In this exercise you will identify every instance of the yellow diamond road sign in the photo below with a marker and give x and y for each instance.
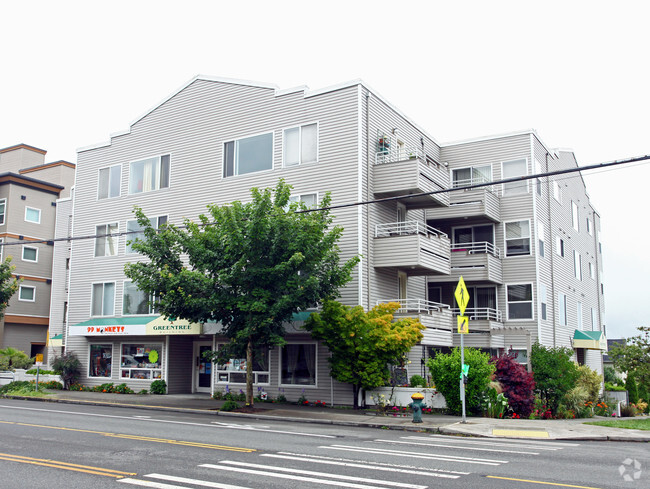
(463, 324)
(461, 295)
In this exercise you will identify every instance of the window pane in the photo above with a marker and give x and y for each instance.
(98, 292)
(136, 177)
(254, 154)
(462, 235)
(116, 177)
(522, 292)
(518, 247)
(511, 169)
(104, 176)
(100, 240)
(2, 211)
(109, 299)
(32, 215)
(520, 229)
(27, 293)
(309, 200)
(136, 229)
(164, 171)
(309, 146)
(483, 233)
(111, 241)
(482, 174)
(299, 365)
(100, 360)
(134, 301)
(520, 310)
(462, 177)
(486, 297)
(291, 143)
(30, 254)
(229, 159)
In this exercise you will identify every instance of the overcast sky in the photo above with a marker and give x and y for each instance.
(73, 72)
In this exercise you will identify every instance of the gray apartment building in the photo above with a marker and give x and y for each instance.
(528, 251)
(29, 189)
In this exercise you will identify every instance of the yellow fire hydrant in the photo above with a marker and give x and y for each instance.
(416, 406)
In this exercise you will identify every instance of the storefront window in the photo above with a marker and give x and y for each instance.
(141, 361)
(234, 370)
(101, 357)
(298, 364)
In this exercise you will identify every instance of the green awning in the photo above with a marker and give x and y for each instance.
(591, 340)
(56, 340)
(301, 316)
(134, 325)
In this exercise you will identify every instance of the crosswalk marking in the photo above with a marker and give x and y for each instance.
(514, 441)
(282, 473)
(490, 442)
(157, 485)
(185, 480)
(370, 465)
(458, 447)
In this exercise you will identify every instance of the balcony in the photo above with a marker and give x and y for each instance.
(435, 317)
(412, 247)
(476, 262)
(485, 328)
(409, 171)
(471, 205)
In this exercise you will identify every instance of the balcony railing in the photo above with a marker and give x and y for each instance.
(420, 306)
(399, 154)
(484, 313)
(468, 182)
(476, 248)
(406, 228)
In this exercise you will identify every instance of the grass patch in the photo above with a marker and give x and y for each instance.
(631, 424)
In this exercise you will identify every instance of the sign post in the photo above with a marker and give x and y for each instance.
(39, 363)
(462, 298)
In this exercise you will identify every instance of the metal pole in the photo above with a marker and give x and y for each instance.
(462, 383)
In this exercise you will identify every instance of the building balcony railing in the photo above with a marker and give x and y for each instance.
(419, 306)
(476, 262)
(407, 171)
(435, 317)
(476, 204)
(476, 248)
(481, 313)
(411, 246)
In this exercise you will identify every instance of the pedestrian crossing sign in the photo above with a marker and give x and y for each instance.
(463, 324)
(462, 295)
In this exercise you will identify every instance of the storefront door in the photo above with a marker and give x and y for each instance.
(202, 367)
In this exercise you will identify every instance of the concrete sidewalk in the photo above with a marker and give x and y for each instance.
(573, 429)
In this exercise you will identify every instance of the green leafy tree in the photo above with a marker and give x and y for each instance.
(632, 388)
(363, 344)
(68, 367)
(554, 373)
(249, 266)
(8, 284)
(11, 358)
(634, 356)
(445, 371)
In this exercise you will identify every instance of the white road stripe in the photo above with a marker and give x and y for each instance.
(284, 473)
(185, 480)
(361, 466)
(395, 453)
(458, 447)
(538, 445)
(157, 485)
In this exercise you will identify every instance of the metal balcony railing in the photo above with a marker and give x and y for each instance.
(406, 228)
(398, 154)
(476, 248)
(420, 306)
(466, 182)
(485, 313)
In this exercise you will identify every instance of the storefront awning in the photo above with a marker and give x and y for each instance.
(134, 326)
(56, 341)
(591, 340)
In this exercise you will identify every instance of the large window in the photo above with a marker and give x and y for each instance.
(512, 169)
(518, 238)
(542, 301)
(150, 174)
(135, 231)
(109, 182)
(234, 370)
(561, 304)
(103, 299)
(301, 145)
(3, 208)
(474, 234)
(105, 244)
(298, 364)
(141, 361)
(540, 238)
(248, 155)
(575, 217)
(30, 254)
(27, 293)
(33, 215)
(134, 301)
(520, 301)
(310, 200)
(462, 177)
(592, 272)
(577, 265)
(100, 361)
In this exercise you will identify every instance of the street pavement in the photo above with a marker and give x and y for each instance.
(571, 429)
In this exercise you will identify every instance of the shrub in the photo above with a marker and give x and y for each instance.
(143, 392)
(158, 387)
(495, 403)
(13, 359)
(613, 387)
(575, 399)
(122, 389)
(229, 406)
(418, 381)
(68, 367)
(610, 375)
(554, 374)
(590, 381)
(631, 387)
(517, 383)
(32, 371)
(445, 372)
(52, 384)
(14, 386)
(643, 394)
(628, 411)
(218, 395)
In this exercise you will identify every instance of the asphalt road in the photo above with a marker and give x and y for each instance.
(73, 446)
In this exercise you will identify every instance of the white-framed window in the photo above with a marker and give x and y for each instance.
(27, 293)
(517, 238)
(103, 299)
(2, 248)
(30, 254)
(512, 169)
(135, 231)
(557, 192)
(579, 314)
(471, 175)
(540, 238)
(538, 181)
(592, 271)
(575, 217)
(561, 304)
(3, 209)
(300, 145)
(143, 361)
(105, 244)
(149, 174)
(577, 265)
(100, 360)
(298, 364)
(234, 370)
(520, 301)
(543, 301)
(310, 200)
(109, 182)
(589, 228)
(473, 234)
(32, 215)
(135, 301)
(559, 246)
(594, 320)
(248, 155)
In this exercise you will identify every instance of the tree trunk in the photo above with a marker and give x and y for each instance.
(249, 372)
(355, 390)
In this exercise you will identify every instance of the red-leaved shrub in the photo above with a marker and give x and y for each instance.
(518, 384)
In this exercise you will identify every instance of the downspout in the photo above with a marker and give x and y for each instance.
(367, 198)
(550, 226)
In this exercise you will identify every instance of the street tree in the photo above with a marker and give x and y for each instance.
(634, 356)
(554, 373)
(248, 266)
(8, 284)
(363, 344)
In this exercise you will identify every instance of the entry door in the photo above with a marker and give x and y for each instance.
(202, 367)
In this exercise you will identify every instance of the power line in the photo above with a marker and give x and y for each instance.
(375, 201)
